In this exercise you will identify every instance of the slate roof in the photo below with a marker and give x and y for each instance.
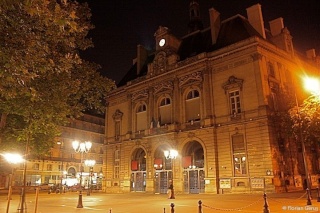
(232, 30)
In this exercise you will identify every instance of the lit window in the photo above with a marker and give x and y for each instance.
(239, 155)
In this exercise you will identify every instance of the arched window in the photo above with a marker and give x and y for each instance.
(141, 117)
(165, 111)
(192, 106)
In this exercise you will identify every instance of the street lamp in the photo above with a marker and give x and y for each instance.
(90, 164)
(61, 166)
(65, 181)
(171, 154)
(12, 159)
(312, 85)
(82, 147)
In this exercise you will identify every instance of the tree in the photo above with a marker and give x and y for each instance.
(307, 117)
(43, 80)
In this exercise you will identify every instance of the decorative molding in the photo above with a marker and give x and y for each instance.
(160, 63)
(140, 94)
(256, 56)
(193, 77)
(191, 135)
(232, 83)
(117, 115)
(163, 86)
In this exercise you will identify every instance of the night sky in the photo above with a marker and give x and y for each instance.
(123, 24)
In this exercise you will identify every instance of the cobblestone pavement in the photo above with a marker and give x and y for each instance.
(155, 203)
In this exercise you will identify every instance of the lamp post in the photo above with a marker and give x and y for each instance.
(90, 164)
(171, 154)
(313, 86)
(61, 166)
(82, 147)
(12, 159)
(65, 181)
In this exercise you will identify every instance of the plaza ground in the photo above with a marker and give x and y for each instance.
(158, 203)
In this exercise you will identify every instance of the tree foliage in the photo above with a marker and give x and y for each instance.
(43, 80)
(306, 119)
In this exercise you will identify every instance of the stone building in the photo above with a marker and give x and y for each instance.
(209, 95)
(63, 165)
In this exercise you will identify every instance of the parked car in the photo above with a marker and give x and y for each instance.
(45, 186)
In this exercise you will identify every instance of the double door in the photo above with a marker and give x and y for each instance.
(161, 181)
(194, 181)
(138, 181)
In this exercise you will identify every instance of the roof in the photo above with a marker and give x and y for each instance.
(232, 30)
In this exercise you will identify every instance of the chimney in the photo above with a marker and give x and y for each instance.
(276, 26)
(142, 55)
(311, 54)
(255, 18)
(214, 24)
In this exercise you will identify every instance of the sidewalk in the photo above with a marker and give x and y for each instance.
(151, 203)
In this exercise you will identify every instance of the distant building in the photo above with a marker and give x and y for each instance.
(63, 166)
(211, 96)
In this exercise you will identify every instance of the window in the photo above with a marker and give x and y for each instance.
(117, 130)
(117, 117)
(239, 155)
(165, 109)
(274, 95)
(60, 167)
(117, 164)
(193, 106)
(274, 100)
(193, 94)
(49, 167)
(232, 88)
(36, 166)
(141, 117)
(234, 98)
(271, 69)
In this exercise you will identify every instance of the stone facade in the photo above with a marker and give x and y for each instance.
(64, 164)
(210, 95)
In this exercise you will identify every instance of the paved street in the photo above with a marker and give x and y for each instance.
(151, 203)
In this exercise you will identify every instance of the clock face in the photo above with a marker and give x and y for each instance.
(162, 42)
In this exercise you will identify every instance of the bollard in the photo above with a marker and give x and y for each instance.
(109, 210)
(172, 207)
(308, 197)
(266, 206)
(200, 206)
(318, 195)
(164, 210)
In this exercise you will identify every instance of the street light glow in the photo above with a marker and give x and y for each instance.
(312, 85)
(171, 154)
(81, 147)
(13, 158)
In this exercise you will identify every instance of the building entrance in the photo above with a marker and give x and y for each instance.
(193, 181)
(138, 181)
(161, 181)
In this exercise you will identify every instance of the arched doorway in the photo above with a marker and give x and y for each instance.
(163, 171)
(138, 171)
(193, 168)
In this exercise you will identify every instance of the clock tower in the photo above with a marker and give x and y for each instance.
(165, 40)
